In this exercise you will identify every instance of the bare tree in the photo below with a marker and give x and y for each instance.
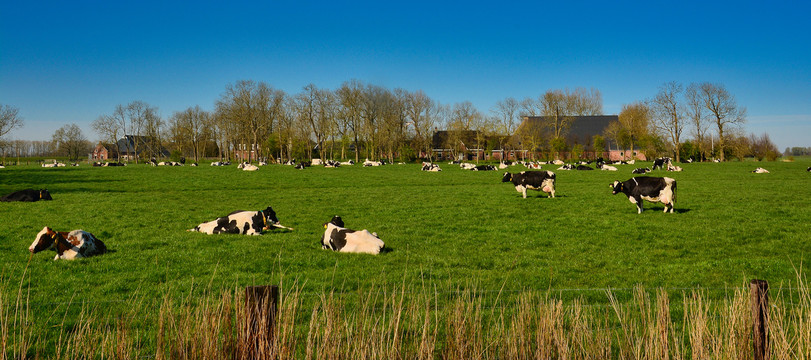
(418, 112)
(70, 141)
(9, 119)
(191, 127)
(106, 126)
(635, 120)
(507, 118)
(350, 98)
(694, 106)
(669, 114)
(724, 110)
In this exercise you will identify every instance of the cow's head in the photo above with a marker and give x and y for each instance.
(507, 177)
(336, 220)
(45, 240)
(616, 187)
(44, 194)
(270, 217)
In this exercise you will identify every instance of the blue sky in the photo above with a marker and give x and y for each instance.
(69, 62)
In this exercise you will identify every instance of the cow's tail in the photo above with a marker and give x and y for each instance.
(196, 229)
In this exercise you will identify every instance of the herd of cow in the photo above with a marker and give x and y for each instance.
(79, 243)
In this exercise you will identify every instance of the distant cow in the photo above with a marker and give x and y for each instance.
(653, 189)
(533, 180)
(338, 238)
(606, 167)
(760, 170)
(68, 245)
(484, 168)
(316, 162)
(241, 222)
(467, 166)
(302, 165)
(348, 163)
(567, 167)
(640, 171)
(27, 195)
(671, 167)
(430, 167)
(331, 164)
(660, 163)
(584, 167)
(809, 169)
(372, 163)
(250, 167)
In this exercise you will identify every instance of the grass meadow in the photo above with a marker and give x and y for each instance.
(448, 233)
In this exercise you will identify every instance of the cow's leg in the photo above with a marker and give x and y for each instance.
(636, 201)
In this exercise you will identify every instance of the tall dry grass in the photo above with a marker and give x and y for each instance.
(398, 323)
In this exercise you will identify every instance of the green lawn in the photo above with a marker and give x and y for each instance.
(452, 229)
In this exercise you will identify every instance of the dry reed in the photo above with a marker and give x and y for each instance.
(396, 323)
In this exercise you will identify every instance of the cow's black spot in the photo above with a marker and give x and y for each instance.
(245, 228)
(337, 239)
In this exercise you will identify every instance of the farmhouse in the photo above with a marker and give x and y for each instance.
(130, 147)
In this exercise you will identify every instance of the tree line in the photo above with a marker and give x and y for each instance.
(253, 120)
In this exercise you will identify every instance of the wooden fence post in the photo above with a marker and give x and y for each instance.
(262, 305)
(759, 300)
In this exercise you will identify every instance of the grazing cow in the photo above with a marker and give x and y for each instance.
(760, 170)
(584, 167)
(533, 180)
(660, 163)
(27, 195)
(68, 245)
(653, 189)
(640, 171)
(484, 168)
(430, 167)
(242, 222)
(338, 238)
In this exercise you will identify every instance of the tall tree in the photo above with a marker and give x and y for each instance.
(108, 129)
(694, 109)
(350, 98)
(9, 119)
(191, 125)
(723, 109)
(669, 114)
(418, 112)
(635, 119)
(71, 142)
(507, 117)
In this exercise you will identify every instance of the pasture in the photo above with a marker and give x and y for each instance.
(450, 230)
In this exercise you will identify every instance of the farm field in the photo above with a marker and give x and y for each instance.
(451, 230)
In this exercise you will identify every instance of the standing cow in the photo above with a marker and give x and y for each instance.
(68, 245)
(533, 180)
(338, 238)
(653, 189)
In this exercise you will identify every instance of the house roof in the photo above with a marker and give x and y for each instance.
(582, 128)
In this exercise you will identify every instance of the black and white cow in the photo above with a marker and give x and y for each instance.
(28, 195)
(331, 164)
(533, 180)
(68, 245)
(484, 168)
(338, 238)
(641, 171)
(242, 222)
(302, 165)
(430, 167)
(809, 169)
(653, 189)
(660, 163)
(760, 170)
(584, 167)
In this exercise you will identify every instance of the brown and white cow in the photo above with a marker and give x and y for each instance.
(68, 245)
(338, 238)
(653, 189)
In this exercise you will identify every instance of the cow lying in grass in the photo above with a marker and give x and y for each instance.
(338, 238)
(242, 222)
(28, 195)
(68, 245)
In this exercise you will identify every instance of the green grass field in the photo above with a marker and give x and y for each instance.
(452, 229)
